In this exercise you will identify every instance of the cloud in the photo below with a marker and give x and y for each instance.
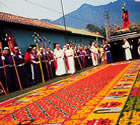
(26, 9)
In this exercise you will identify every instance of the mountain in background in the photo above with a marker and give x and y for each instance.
(89, 14)
(46, 20)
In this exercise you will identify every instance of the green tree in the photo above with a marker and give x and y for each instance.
(94, 28)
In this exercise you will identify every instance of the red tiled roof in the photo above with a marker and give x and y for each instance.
(37, 23)
(27, 21)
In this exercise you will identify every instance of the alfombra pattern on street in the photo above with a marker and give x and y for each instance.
(84, 99)
(131, 111)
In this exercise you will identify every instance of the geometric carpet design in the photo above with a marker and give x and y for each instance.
(103, 95)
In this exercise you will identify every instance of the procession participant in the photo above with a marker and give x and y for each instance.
(94, 53)
(3, 71)
(29, 65)
(41, 52)
(36, 65)
(76, 56)
(99, 55)
(15, 71)
(59, 61)
(81, 56)
(2, 76)
(42, 55)
(9, 69)
(107, 48)
(87, 56)
(126, 46)
(50, 57)
(139, 48)
(47, 59)
(90, 59)
(69, 59)
(19, 60)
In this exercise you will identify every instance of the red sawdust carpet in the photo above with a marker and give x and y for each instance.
(60, 102)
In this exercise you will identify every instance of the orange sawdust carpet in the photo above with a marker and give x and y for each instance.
(94, 97)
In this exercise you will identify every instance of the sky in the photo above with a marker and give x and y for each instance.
(45, 9)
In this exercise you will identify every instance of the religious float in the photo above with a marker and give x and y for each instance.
(129, 31)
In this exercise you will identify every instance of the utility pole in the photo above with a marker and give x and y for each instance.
(108, 28)
(66, 35)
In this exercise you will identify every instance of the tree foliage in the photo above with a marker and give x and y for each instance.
(94, 28)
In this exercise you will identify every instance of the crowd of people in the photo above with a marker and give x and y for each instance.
(59, 62)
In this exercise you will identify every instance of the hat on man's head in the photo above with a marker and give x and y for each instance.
(57, 45)
(6, 48)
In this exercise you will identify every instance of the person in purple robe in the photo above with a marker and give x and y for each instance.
(2, 76)
(76, 56)
(139, 48)
(107, 49)
(36, 66)
(43, 57)
(10, 71)
(51, 65)
(19, 60)
(81, 56)
(88, 57)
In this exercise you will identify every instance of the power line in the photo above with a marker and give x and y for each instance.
(8, 8)
(58, 12)
(66, 35)
(43, 7)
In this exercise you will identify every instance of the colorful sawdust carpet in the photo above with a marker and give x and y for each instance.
(104, 95)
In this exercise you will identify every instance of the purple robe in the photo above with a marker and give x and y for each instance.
(36, 68)
(108, 54)
(46, 76)
(2, 76)
(88, 58)
(81, 56)
(77, 66)
(10, 73)
(51, 64)
(19, 60)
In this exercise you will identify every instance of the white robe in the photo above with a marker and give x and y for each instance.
(94, 55)
(70, 58)
(61, 68)
(128, 54)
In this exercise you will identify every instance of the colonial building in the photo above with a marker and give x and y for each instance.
(23, 28)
